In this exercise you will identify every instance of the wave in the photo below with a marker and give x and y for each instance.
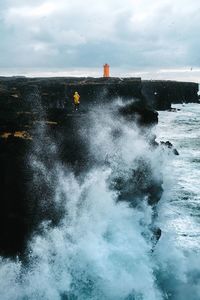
(102, 245)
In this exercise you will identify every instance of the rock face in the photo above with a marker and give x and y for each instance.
(57, 93)
(161, 94)
(25, 105)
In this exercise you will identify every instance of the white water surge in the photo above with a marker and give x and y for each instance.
(101, 250)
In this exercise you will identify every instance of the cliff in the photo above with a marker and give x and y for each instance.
(161, 94)
(57, 93)
(37, 114)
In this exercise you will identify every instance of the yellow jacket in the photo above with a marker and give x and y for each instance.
(76, 98)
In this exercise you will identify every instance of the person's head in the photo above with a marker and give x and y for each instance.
(76, 92)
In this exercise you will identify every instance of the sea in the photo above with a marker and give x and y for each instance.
(100, 249)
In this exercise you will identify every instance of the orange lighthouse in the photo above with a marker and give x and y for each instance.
(106, 70)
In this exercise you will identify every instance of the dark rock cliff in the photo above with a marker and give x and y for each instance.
(28, 104)
(161, 94)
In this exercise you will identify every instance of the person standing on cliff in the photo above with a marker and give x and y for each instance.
(76, 100)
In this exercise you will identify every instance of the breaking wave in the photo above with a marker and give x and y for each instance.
(102, 248)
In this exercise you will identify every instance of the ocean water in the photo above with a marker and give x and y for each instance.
(179, 209)
(182, 210)
(100, 249)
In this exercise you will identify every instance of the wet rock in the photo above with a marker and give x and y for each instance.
(140, 114)
(156, 235)
(138, 183)
(26, 104)
(170, 146)
(161, 94)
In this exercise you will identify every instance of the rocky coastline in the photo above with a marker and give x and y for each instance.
(27, 104)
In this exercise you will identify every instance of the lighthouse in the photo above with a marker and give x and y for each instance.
(106, 70)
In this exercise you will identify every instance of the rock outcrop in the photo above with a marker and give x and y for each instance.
(161, 94)
(28, 104)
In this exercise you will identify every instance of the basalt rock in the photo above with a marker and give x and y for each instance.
(142, 115)
(28, 104)
(162, 94)
(170, 146)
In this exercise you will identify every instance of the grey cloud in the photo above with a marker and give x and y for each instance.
(132, 34)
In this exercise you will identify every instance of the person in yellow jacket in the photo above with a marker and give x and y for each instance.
(76, 100)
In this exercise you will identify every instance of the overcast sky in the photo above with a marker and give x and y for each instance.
(134, 36)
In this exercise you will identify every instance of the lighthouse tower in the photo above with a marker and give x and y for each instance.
(106, 70)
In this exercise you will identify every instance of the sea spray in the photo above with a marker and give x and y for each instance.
(101, 248)
(97, 252)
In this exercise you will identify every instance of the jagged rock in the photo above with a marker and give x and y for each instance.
(139, 114)
(25, 103)
(170, 146)
(161, 94)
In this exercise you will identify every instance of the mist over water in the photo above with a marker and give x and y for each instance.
(102, 248)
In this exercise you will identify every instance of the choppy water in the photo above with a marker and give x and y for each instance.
(182, 210)
(99, 250)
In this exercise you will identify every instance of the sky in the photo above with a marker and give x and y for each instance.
(153, 39)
